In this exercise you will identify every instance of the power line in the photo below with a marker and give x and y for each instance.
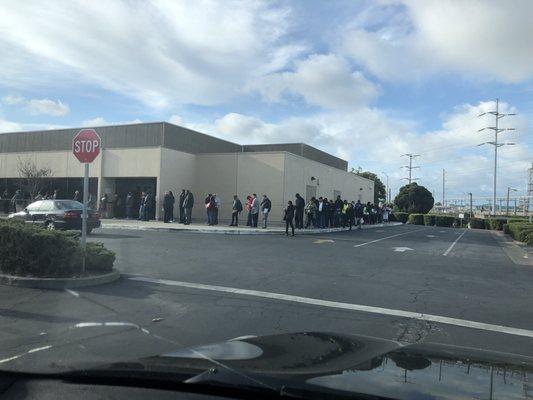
(410, 166)
(496, 130)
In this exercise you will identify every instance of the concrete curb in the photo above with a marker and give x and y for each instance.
(58, 283)
(244, 231)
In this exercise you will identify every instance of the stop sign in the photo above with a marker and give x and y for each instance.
(86, 145)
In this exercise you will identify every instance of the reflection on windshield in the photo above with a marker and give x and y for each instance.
(406, 376)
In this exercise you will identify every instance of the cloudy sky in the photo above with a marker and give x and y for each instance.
(364, 80)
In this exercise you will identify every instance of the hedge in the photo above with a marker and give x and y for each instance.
(495, 224)
(516, 228)
(401, 216)
(477, 223)
(526, 236)
(30, 250)
(429, 219)
(444, 220)
(416, 219)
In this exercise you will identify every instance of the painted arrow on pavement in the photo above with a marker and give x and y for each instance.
(402, 249)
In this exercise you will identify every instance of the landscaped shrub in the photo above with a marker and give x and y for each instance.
(516, 227)
(429, 219)
(526, 236)
(495, 224)
(98, 258)
(444, 220)
(517, 219)
(505, 228)
(416, 219)
(477, 223)
(401, 216)
(30, 250)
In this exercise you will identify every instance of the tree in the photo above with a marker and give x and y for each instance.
(413, 198)
(32, 177)
(380, 192)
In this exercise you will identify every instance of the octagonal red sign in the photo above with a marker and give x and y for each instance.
(86, 145)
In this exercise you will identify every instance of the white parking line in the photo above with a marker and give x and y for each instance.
(343, 306)
(453, 244)
(5, 360)
(388, 237)
(72, 292)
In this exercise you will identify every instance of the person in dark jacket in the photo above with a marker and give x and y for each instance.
(235, 211)
(288, 217)
(172, 207)
(129, 205)
(180, 205)
(350, 214)
(76, 196)
(331, 213)
(358, 214)
(168, 204)
(338, 211)
(299, 206)
(266, 207)
(6, 201)
(188, 204)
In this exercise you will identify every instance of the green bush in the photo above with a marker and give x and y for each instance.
(401, 216)
(516, 227)
(444, 220)
(505, 228)
(416, 219)
(477, 223)
(517, 219)
(526, 236)
(495, 224)
(30, 250)
(429, 219)
(98, 258)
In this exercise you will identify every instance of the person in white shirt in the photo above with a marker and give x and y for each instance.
(320, 213)
(266, 206)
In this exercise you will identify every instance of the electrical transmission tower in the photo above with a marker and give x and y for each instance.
(497, 115)
(410, 166)
(529, 189)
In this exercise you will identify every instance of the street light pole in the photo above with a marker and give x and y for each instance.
(471, 209)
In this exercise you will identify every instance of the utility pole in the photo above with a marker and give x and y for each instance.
(387, 190)
(443, 188)
(410, 166)
(471, 209)
(496, 129)
(507, 207)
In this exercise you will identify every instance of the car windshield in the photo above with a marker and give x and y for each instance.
(299, 194)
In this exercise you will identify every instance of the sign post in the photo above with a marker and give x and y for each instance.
(85, 147)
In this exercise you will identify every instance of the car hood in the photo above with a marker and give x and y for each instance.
(320, 360)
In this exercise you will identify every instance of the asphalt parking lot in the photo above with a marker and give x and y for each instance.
(406, 283)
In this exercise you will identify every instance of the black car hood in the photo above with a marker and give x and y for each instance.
(321, 360)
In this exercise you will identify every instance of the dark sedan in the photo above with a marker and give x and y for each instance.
(57, 214)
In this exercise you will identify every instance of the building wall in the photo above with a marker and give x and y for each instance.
(298, 173)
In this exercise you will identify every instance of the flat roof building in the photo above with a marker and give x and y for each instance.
(160, 156)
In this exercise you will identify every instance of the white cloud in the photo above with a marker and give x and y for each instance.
(489, 38)
(175, 119)
(38, 106)
(48, 107)
(100, 121)
(160, 52)
(323, 80)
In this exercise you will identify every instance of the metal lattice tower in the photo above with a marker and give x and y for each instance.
(529, 189)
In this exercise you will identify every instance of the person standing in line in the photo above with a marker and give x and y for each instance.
(249, 200)
(255, 210)
(235, 210)
(91, 201)
(331, 214)
(167, 205)
(266, 206)
(325, 211)
(366, 213)
(218, 203)
(114, 206)
(338, 212)
(358, 213)
(147, 206)
(18, 201)
(288, 216)
(299, 206)
(350, 214)
(55, 196)
(173, 201)
(180, 206)
(103, 206)
(211, 207)
(6, 199)
(207, 199)
(76, 196)
(386, 211)
(310, 210)
(129, 205)
(188, 204)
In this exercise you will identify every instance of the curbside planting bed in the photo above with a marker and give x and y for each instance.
(33, 256)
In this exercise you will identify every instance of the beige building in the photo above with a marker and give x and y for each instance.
(161, 156)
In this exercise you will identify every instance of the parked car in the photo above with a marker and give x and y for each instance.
(57, 214)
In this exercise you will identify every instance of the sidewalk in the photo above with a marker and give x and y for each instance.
(220, 229)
